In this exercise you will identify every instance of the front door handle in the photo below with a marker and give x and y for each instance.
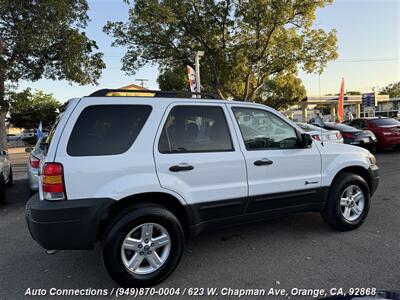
(263, 162)
(181, 167)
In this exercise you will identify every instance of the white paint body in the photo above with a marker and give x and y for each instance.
(216, 175)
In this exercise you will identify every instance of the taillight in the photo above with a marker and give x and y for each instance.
(34, 161)
(316, 137)
(338, 135)
(53, 181)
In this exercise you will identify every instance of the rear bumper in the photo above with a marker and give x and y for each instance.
(374, 174)
(388, 141)
(70, 224)
(371, 143)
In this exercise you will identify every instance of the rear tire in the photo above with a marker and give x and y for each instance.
(348, 202)
(2, 189)
(142, 263)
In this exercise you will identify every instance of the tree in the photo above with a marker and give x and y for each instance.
(393, 90)
(43, 38)
(174, 79)
(282, 91)
(28, 109)
(246, 43)
(353, 93)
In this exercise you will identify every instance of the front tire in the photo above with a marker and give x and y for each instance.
(143, 246)
(10, 178)
(348, 202)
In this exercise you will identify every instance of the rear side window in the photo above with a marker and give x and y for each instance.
(191, 129)
(107, 129)
(385, 122)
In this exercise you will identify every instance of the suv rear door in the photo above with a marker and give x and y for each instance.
(280, 173)
(197, 155)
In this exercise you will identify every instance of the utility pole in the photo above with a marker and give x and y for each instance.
(142, 81)
(197, 57)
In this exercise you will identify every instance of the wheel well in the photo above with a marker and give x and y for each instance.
(359, 171)
(162, 199)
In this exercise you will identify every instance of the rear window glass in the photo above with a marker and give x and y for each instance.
(309, 127)
(107, 129)
(385, 122)
(340, 127)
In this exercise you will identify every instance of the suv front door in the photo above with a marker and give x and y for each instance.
(197, 157)
(280, 172)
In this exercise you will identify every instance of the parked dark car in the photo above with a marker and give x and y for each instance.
(353, 136)
(386, 130)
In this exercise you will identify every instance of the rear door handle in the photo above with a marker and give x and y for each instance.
(263, 162)
(181, 167)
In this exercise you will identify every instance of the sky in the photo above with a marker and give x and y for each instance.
(368, 34)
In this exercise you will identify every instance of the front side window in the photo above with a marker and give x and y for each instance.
(107, 129)
(262, 130)
(195, 129)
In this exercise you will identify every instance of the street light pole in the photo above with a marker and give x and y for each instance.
(197, 70)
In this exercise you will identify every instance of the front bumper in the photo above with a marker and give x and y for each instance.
(374, 174)
(69, 224)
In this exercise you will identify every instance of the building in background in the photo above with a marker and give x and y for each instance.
(131, 87)
(304, 111)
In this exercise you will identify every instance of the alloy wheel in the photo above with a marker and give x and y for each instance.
(145, 248)
(352, 202)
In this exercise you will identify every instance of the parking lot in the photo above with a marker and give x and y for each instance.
(296, 251)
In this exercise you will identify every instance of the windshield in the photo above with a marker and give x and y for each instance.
(53, 129)
(385, 122)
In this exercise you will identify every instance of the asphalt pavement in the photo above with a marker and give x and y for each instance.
(297, 251)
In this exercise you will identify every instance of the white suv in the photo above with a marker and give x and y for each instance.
(139, 174)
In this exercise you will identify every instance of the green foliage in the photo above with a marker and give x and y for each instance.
(43, 38)
(174, 79)
(246, 43)
(393, 90)
(27, 109)
(282, 91)
(353, 93)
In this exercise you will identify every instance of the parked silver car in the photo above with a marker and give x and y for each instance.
(332, 136)
(33, 163)
(6, 174)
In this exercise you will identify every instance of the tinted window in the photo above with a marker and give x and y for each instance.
(106, 129)
(385, 122)
(195, 129)
(359, 124)
(263, 130)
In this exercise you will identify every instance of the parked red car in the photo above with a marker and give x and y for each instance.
(387, 130)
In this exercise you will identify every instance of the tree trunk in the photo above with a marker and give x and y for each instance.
(3, 131)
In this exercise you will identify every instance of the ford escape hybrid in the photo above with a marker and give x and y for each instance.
(138, 174)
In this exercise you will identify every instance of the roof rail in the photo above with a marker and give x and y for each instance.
(153, 93)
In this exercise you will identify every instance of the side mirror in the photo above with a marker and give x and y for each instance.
(3, 153)
(28, 149)
(306, 140)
